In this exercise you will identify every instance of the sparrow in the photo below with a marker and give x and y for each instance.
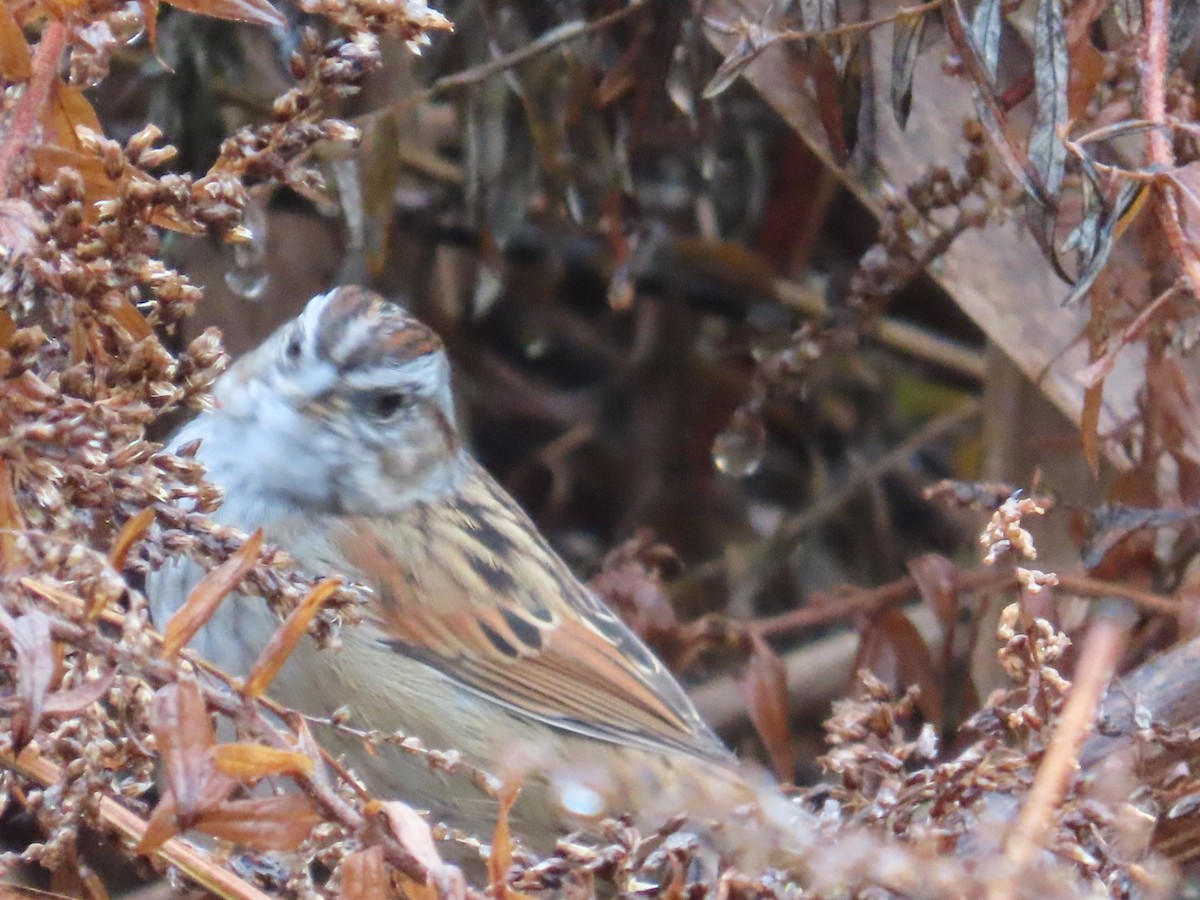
(338, 437)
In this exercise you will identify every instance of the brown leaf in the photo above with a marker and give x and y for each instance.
(15, 58)
(411, 831)
(127, 316)
(937, 580)
(10, 510)
(256, 12)
(500, 859)
(286, 637)
(74, 700)
(162, 825)
(206, 596)
(70, 109)
(184, 734)
(364, 876)
(262, 823)
(250, 762)
(34, 651)
(763, 684)
(130, 534)
(894, 651)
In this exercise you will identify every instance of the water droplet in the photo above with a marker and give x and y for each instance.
(578, 799)
(738, 450)
(249, 284)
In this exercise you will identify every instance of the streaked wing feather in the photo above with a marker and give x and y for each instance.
(472, 589)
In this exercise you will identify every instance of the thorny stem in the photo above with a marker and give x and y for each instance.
(1102, 650)
(1158, 146)
(32, 103)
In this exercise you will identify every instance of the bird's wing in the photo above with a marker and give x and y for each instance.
(471, 588)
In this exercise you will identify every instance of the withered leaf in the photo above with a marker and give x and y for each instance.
(162, 825)
(937, 580)
(70, 109)
(907, 31)
(286, 637)
(34, 651)
(207, 595)
(1047, 151)
(131, 532)
(500, 859)
(828, 86)
(262, 823)
(1108, 525)
(364, 876)
(73, 700)
(256, 12)
(987, 26)
(184, 733)
(893, 650)
(250, 762)
(412, 832)
(753, 41)
(15, 58)
(763, 684)
(1111, 217)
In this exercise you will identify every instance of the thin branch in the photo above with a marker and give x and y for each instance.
(1160, 154)
(23, 128)
(555, 37)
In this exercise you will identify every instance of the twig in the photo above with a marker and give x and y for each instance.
(1159, 152)
(568, 31)
(1102, 649)
(32, 103)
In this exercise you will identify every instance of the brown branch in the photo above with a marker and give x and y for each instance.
(23, 127)
(1102, 649)
(1160, 154)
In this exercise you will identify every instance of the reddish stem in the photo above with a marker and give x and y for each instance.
(1159, 152)
(32, 103)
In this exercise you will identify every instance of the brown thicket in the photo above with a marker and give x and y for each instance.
(765, 310)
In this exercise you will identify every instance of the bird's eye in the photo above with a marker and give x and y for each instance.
(386, 404)
(292, 350)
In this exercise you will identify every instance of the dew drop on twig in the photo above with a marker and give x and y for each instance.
(738, 450)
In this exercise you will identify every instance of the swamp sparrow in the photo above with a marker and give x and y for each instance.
(337, 437)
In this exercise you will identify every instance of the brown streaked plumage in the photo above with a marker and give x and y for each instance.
(337, 436)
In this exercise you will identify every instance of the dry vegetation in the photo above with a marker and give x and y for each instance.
(718, 279)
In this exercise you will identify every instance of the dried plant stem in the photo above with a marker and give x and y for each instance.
(568, 31)
(29, 108)
(1102, 649)
(1159, 153)
(176, 852)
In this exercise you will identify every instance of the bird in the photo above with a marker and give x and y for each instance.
(338, 437)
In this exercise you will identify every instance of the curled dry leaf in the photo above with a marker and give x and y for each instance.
(763, 684)
(206, 596)
(250, 762)
(500, 859)
(413, 833)
(74, 700)
(364, 876)
(35, 663)
(277, 650)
